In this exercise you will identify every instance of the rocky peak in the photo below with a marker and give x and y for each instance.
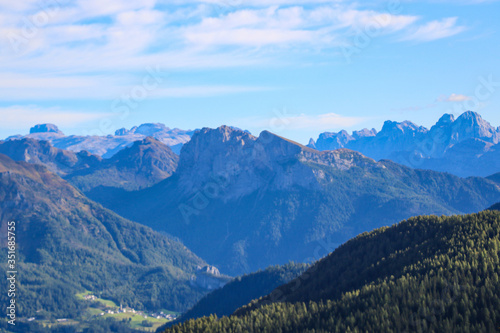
(364, 133)
(149, 129)
(405, 127)
(446, 119)
(45, 128)
(213, 152)
(148, 154)
(312, 143)
(122, 132)
(471, 125)
(207, 142)
(332, 140)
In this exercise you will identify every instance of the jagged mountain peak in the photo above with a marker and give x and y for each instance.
(312, 143)
(471, 115)
(365, 132)
(342, 133)
(445, 119)
(404, 127)
(471, 125)
(122, 132)
(220, 134)
(445, 147)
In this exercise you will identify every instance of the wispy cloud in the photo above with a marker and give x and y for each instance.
(435, 30)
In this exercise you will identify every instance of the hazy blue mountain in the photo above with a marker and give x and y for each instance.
(108, 145)
(68, 244)
(495, 177)
(57, 160)
(244, 203)
(144, 163)
(466, 146)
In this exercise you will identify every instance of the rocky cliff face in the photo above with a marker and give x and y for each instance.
(242, 163)
(464, 146)
(209, 278)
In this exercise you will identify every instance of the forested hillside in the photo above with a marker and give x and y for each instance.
(240, 291)
(426, 274)
(68, 244)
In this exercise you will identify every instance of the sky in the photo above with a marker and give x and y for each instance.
(295, 68)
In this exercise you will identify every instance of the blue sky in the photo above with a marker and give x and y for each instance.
(297, 68)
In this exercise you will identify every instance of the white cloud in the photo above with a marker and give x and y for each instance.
(453, 98)
(435, 30)
(290, 26)
(21, 117)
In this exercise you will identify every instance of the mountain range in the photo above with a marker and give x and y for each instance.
(107, 145)
(466, 146)
(244, 203)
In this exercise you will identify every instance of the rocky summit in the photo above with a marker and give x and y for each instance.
(45, 128)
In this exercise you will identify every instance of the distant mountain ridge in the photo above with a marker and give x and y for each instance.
(145, 163)
(466, 146)
(245, 202)
(108, 145)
